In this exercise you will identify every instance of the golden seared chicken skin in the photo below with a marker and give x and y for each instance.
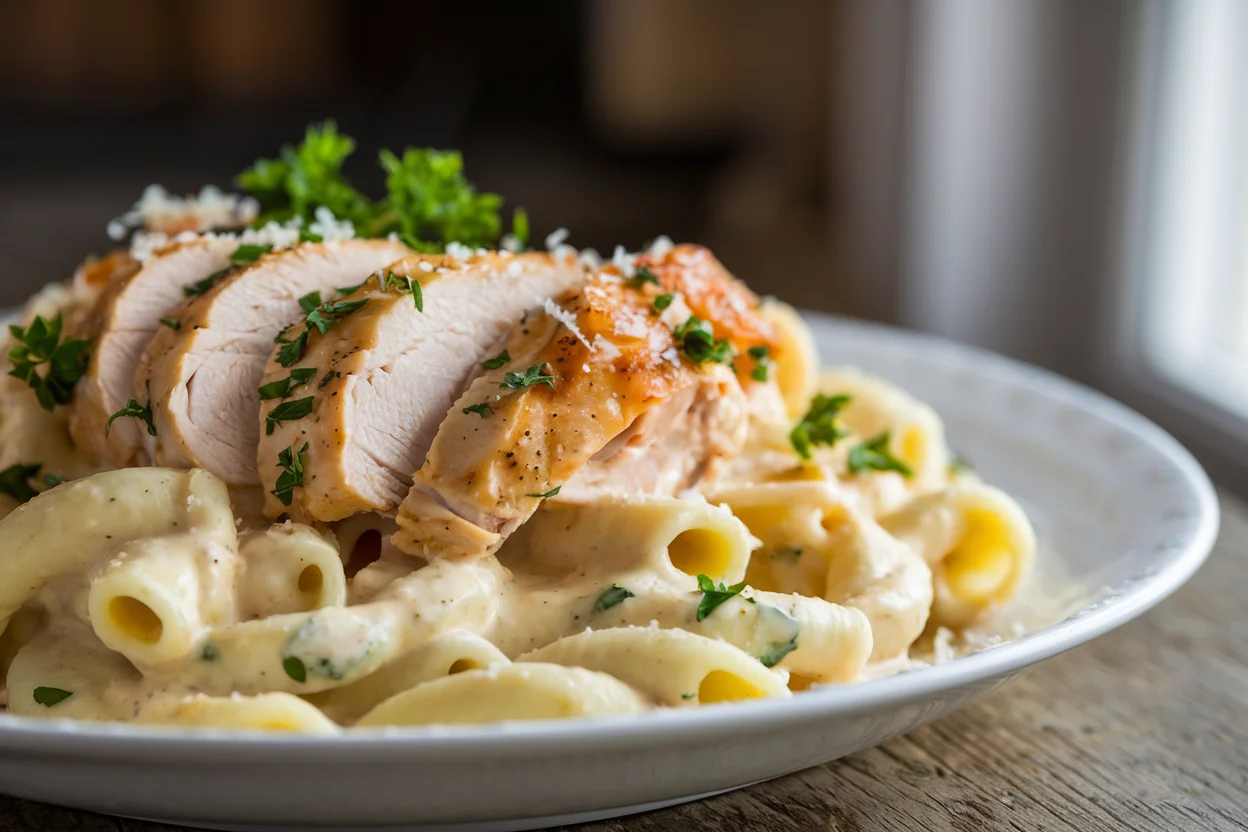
(604, 389)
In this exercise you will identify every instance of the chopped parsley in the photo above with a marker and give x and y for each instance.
(14, 481)
(774, 653)
(200, 287)
(172, 323)
(642, 276)
(292, 351)
(248, 253)
(280, 389)
(818, 426)
(875, 456)
(762, 363)
(687, 695)
(310, 301)
(530, 377)
(66, 361)
(295, 668)
(482, 409)
(210, 653)
(287, 412)
(404, 285)
(328, 314)
(713, 596)
(663, 301)
(47, 697)
(291, 462)
(696, 338)
(349, 290)
(52, 480)
(552, 492)
(138, 411)
(610, 597)
(320, 316)
(497, 361)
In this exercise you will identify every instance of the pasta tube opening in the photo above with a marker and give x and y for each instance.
(702, 551)
(290, 568)
(722, 686)
(135, 619)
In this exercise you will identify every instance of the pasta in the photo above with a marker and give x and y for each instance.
(641, 493)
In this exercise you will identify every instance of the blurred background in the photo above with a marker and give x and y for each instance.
(1060, 180)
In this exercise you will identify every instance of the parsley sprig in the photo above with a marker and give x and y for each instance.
(138, 411)
(47, 696)
(497, 361)
(482, 409)
(429, 201)
(41, 344)
(696, 338)
(530, 377)
(642, 276)
(610, 597)
(818, 426)
(403, 285)
(713, 596)
(874, 455)
(291, 462)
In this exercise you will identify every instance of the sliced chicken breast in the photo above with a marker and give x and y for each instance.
(125, 320)
(595, 380)
(370, 392)
(201, 378)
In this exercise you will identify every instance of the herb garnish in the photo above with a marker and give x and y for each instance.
(497, 361)
(520, 226)
(482, 409)
(37, 344)
(280, 389)
(295, 669)
(642, 276)
(310, 301)
(210, 653)
(818, 426)
(287, 412)
(52, 480)
(47, 697)
(610, 597)
(687, 696)
(404, 285)
(172, 323)
(328, 314)
(552, 492)
(713, 596)
(200, 287)
(774, 653)
(293, 350)
(248, 253)
(875, 456)
(697, 340)
(762, 362)
(138, 411)
(13, 481)
(531, 376)
(663, 301)
(291, 462)
(347, 290)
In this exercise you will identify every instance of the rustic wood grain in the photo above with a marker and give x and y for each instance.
(1146, 728)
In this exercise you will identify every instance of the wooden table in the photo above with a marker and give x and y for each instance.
(1146, 728)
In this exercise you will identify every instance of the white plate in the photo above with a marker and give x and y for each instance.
(1128, 510)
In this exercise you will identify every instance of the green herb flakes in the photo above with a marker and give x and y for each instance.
(818, 426)
(287, 412)
(291, 462)
(483, 409)
(713, 596)
(40, 344)
(138, 411)
(281, 388)
(497, 361)
(47, 697)
(875, 456)
(610, 597)
(530, 377)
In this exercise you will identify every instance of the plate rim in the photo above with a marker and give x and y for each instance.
(66, 737)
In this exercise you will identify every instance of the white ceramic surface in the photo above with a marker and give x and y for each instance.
(1126, 508)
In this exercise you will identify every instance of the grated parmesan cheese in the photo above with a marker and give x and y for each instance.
(556, 238)
(458, 250)
(661, 245)
(566, 318)
(511, 242)
(625, 262)
(329, 229)
(157, 210)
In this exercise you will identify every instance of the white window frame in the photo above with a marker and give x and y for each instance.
(1182, 260)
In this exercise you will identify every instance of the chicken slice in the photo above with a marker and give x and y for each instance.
(125, 320)
(595, 380)
(378, 384)
(201, 378)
